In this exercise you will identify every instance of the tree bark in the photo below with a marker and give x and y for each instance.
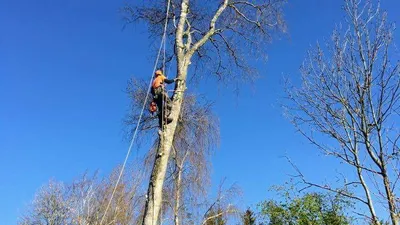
(184, 53)
(178, 186)
(154, 193)
(390, 197)
(370, 204)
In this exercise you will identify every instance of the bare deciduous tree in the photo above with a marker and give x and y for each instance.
(89, 198)
(50, 206)
(218, 211)
(350, 93)
(84, 202)
(218, 38)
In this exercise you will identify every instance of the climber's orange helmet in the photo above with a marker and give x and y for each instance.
(158, 73)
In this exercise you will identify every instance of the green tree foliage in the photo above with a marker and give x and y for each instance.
(248, 218)
(311, 208)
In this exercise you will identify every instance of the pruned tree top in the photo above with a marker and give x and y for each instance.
(220, 35)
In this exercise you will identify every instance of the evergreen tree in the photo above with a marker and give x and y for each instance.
(248, 218)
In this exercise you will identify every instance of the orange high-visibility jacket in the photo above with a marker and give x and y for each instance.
(159, 80)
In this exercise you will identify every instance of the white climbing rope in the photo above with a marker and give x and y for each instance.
(163, 44)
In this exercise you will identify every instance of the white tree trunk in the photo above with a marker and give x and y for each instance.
(184, 54)
(178, 193)
(154, 193)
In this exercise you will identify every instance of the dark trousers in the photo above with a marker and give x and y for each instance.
(163, 103)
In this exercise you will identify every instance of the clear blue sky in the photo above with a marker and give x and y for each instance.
(64, 66)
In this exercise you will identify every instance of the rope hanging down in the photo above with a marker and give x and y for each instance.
(163, 44)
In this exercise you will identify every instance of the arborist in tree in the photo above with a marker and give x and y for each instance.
(160, 97)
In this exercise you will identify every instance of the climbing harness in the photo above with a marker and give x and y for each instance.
(162, 44)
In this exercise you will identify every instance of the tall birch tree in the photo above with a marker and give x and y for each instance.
(219, 34)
